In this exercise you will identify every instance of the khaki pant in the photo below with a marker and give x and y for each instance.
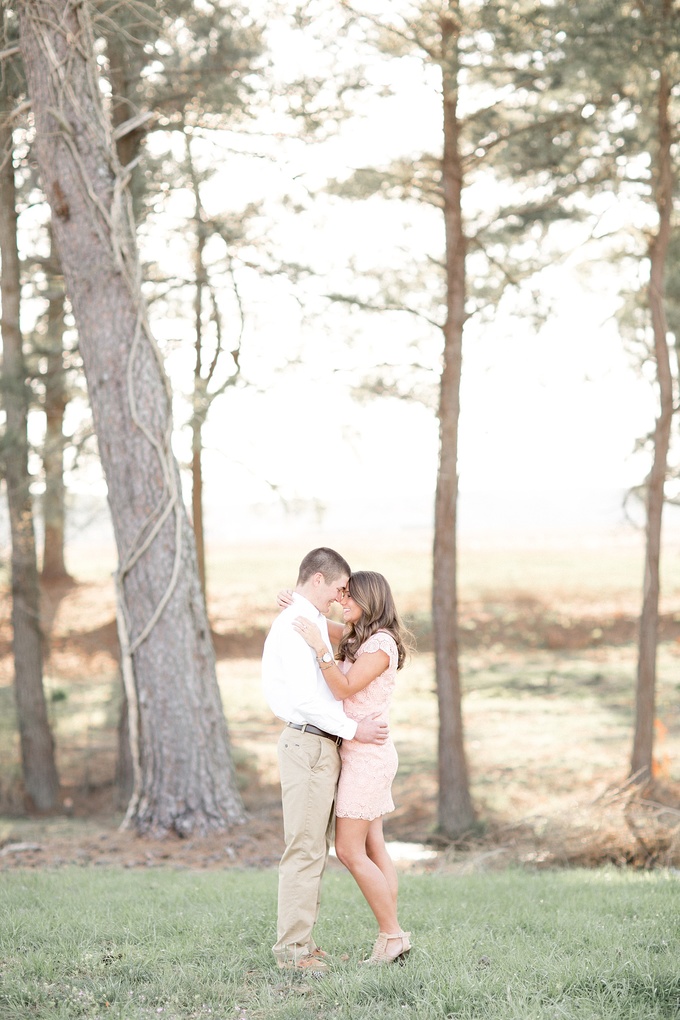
(309, 767)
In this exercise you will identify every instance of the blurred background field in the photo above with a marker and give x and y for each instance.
(548, 659)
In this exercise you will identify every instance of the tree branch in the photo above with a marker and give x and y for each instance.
(367, 306)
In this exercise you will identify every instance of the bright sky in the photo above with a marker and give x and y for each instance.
(557, 412)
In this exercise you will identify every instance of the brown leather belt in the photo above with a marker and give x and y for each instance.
(308, 728)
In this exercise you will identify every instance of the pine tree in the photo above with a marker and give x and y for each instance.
(625, 57)
(39, 768)
(513, 162)
(184, 777)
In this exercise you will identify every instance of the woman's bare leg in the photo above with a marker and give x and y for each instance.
(352, 839)
(377, 852)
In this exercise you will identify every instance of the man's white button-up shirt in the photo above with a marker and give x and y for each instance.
(292, 682)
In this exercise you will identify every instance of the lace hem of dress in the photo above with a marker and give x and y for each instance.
(366, 816)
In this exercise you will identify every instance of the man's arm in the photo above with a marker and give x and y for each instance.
(335, 632)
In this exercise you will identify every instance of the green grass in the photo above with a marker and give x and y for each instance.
(90, 944)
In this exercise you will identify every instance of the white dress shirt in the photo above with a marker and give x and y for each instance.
(292, 682)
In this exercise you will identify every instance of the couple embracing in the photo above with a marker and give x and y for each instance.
(332, 683)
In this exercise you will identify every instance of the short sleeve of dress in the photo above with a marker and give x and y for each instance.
(381, 642)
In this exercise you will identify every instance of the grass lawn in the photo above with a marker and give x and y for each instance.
(96, 943)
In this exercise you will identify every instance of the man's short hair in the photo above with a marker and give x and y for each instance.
(323, 561)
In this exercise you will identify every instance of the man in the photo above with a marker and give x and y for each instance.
(309, 760)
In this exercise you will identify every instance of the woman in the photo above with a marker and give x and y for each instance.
(372, 646)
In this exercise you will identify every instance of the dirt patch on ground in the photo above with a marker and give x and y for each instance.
(627, 827)
(99, 841)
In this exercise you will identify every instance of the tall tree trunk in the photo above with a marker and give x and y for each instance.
(56, 399)
(184, 776)
(643, 741)
(455, 810)
(125, 767)
(197, 497)
(199, 398)
(37, 745)
(124, 77)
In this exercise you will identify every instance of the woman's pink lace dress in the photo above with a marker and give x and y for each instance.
(365, 785)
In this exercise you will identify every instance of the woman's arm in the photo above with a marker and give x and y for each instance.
(364, 671)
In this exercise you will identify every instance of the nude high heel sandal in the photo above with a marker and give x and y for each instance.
(390, 948)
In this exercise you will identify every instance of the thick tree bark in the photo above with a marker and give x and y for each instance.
(56, 399)
(41, 780)
(184, 777)
(455, 810)
(645, 698)
(124, 77)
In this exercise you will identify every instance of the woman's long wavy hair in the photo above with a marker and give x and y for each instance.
(373, 595)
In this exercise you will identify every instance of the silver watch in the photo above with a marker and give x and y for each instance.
(326, 657)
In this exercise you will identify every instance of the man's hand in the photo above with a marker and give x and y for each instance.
(370, 731)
